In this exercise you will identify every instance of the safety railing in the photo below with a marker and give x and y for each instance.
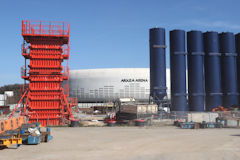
(72, 100)
(24, 72)
(23, 88)
(65, 89)
(66, 51)
(65, 72)
(229, 114)
(200, 116)
(45, 28)
(25, 50)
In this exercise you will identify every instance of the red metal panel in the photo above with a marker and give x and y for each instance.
(46, 45)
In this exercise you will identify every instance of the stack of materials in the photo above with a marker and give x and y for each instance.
(197, 125)
(229, 119)
(210, 120)
(26, 134)
(136, 111)
(34, 134)
(11, 124)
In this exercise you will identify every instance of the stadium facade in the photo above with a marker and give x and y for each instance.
(105, 85)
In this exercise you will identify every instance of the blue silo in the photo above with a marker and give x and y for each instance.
(237, 40)
(212, 68)
(178, 70)
(228, 69)
(157, 64)
(195, 71)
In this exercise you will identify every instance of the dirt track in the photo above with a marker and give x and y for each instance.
(132, 143)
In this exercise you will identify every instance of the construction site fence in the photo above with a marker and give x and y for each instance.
(192, 116)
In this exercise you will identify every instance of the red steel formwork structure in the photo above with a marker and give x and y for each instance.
(46, 46)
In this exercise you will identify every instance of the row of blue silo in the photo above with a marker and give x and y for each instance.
(157, 47)
(237, 42)
(212, 69)
(178, 70)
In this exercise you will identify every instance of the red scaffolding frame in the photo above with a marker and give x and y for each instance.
(46, 46)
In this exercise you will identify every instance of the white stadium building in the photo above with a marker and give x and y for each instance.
(105, 85)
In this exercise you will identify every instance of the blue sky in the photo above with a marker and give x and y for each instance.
(109, 33)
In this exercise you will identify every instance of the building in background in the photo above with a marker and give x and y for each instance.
(4, 98)
(107, 85)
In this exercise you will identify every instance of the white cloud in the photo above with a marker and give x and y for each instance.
(215, 24)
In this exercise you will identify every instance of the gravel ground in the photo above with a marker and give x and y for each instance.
(132, 143)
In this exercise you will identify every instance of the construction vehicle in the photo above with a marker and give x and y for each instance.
(221, 108)
(7, 141)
